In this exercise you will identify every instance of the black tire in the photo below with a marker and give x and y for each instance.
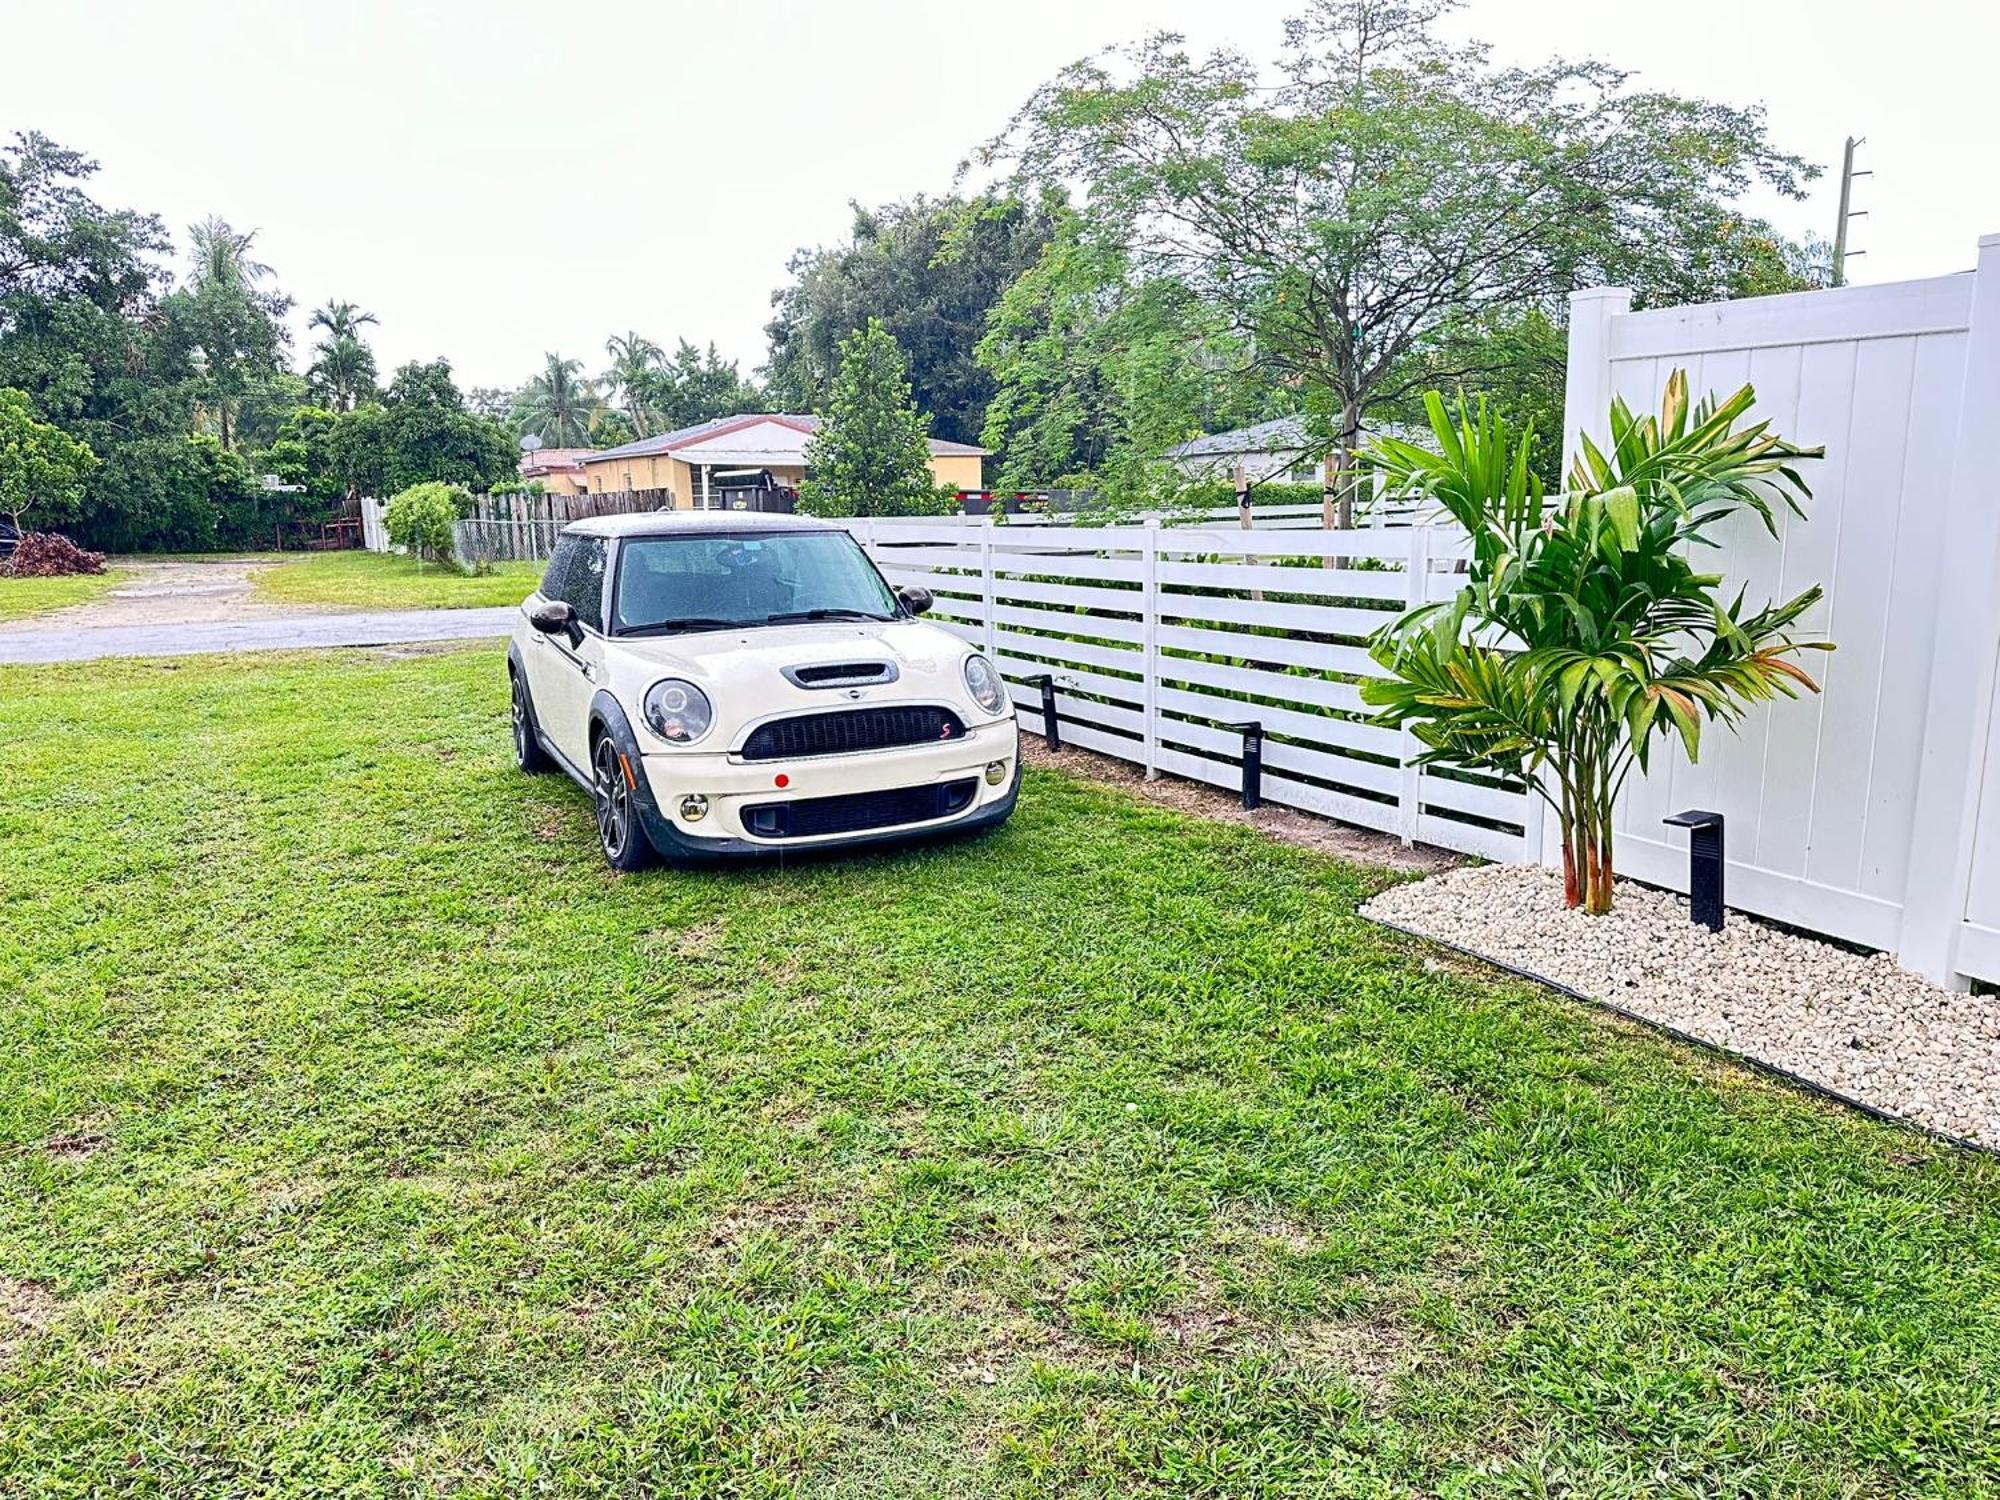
(620, 833)
(528, 752)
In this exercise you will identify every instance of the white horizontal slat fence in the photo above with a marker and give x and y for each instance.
(1161, 638)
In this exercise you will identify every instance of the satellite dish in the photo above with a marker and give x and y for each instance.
(531, 442)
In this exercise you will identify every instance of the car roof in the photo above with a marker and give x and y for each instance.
(682, 522)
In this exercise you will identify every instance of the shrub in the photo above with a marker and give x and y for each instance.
(421, 517)
(49, 554)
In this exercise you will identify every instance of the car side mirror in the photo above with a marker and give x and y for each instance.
(917, 601)
(556, 617)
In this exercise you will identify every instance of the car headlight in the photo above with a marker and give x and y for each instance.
(982, 680)
(678, 711)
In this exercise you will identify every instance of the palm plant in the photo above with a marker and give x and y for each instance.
(219, 256)
(635, 366)
(341, 320)
(343, 371)
(559, 404)
(1584, 630)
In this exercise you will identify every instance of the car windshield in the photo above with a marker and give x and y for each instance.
(724, 582)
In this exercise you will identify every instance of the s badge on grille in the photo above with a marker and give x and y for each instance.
(854, 692)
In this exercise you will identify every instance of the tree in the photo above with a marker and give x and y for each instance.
(426, 432)
(304, 453)
(869, 456)
(696, 385)
(1583, 630)
(635, 360)
(1388, 187)
(559, 405)
(233, 326)
(89, 330)
(492, 401)
(343, 367)
(341, 320)
(1097, 371)
(931, 270)
(42, 468)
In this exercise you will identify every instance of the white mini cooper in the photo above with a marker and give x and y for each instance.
(732, 684)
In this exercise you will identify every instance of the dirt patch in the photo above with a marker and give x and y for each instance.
(1360, 845)
(75, 1145)
(696, 941)
(1366, 1350)
(157, 592)
(26, 1310)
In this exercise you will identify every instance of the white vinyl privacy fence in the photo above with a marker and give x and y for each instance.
(1163, 640)
(1871, 812)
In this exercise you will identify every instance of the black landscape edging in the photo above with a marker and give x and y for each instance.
(1799, 1080)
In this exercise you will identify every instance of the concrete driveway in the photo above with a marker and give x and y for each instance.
(184, 608)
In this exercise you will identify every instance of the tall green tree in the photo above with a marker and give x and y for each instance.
(559, 405)
(1387, 185)
(87, 330)
(635, 362)
(1098, 370)
(42, 468)
(232, 322)
(931, 270)
(342, 373)
(696, 385)
(427, 432)
(869, 456)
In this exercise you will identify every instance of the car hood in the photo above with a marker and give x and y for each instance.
(922, 653)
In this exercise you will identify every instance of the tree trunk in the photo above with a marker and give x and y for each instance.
(1350, 439)
(1327, 492)
(1344, 470)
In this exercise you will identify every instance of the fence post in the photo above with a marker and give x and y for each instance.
(988, 594)
(1958, 717)
(1149, 626)
(1410, 800)
(1587, 382)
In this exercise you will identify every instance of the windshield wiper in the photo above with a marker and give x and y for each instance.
(794, 617)
(691, 622)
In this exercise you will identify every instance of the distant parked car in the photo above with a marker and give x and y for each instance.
(737, 684)
(10, 538)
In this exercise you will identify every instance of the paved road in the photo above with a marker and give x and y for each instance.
(69, 642)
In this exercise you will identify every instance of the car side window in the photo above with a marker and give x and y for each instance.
(554, 580)
(585, 583)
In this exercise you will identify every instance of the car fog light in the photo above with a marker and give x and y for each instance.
(996, 772)
(694, 809)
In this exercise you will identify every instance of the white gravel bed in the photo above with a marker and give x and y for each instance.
(1857, 1025)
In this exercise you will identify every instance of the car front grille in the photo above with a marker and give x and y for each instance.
(855, 812)
(844, 731)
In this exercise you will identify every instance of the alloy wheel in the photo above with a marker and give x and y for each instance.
(614, 800)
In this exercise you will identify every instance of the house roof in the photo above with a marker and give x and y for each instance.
(760, 438)
(548, 460)
(1279, 435)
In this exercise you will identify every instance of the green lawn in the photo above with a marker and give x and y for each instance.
(360, 1133)
(21, 597)
(375, 580)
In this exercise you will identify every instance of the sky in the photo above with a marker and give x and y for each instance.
(495, 179)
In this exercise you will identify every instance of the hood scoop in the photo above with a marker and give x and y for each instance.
(841, 674)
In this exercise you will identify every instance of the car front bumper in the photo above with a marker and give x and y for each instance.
(732, 786)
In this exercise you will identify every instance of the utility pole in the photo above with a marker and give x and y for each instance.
(1847, 176)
